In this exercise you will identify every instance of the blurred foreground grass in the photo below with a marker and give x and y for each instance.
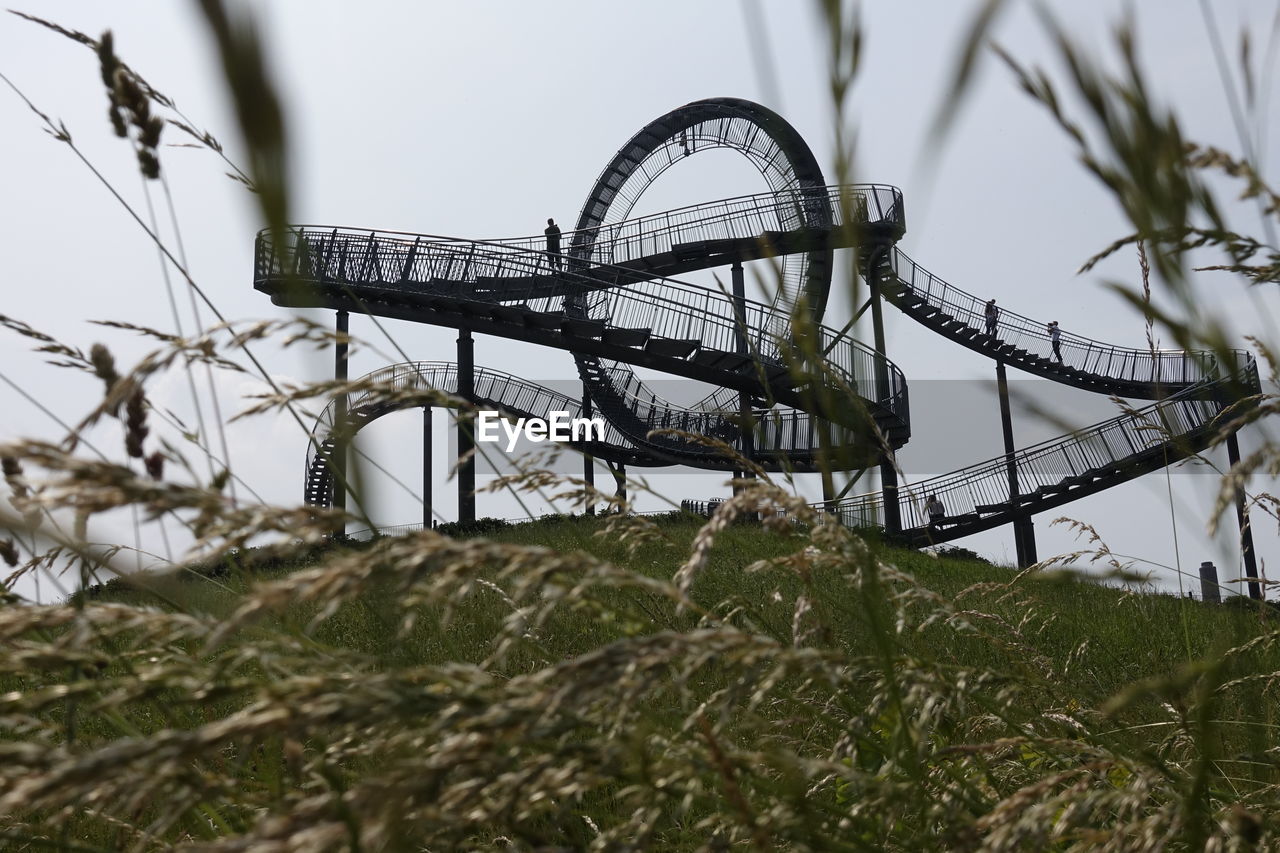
(546, 688)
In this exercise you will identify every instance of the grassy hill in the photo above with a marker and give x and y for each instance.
(550, 686)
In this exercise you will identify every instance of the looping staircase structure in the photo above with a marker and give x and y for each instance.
(792, 393)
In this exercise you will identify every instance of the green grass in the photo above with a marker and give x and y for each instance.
(1080, 641)
(1111, 636)
(812, 691)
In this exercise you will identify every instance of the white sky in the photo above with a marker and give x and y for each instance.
(482, 119)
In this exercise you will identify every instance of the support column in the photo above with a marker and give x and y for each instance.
(466, 438)
(620, 481)
(426, 468)
(1028, 540)
(588, 461)
(742, 347)
(1024, 534)
(888, 468)
(338, 460)
(1246, 530)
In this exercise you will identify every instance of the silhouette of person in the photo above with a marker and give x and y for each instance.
(1055, 338)
(936, 510)
(993, 317)
(553, 243)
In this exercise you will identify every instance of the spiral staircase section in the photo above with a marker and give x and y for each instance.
(679, 328)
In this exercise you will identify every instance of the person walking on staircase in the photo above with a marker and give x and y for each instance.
(936, 510)
(553, 243)
(1055, 338)
(993, 317)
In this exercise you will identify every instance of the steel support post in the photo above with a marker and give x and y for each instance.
(1024, 533)
(1028, 540)
(588, 461)
(742, 347)
(466, 438)
(1246, 530)
(888, 467)
(620, 481)
(426, 468)
(338, 459)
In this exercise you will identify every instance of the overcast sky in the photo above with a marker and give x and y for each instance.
(483, 119)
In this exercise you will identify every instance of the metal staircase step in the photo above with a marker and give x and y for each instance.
(434, 301)
(545, 319)
(730, 361)
(626, 337)
(689, 250)
(774, 373)
(583, 327)
(509, 313)
(478, 309)
(672, 347)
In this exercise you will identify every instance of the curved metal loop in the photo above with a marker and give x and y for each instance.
(798, 201)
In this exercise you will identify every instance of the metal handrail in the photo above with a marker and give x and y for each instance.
(681, 317)
(666, 307)
(505, 391)
(881, 199)
(1160, 371)
(789, 434)
(1101, 450)
(728, 219)
(1105, 451)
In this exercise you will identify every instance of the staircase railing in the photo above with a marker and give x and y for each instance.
(373, 262)
(404, 256)
(1100, 451)
(1163, 370)
(742, 217)
(504, 391)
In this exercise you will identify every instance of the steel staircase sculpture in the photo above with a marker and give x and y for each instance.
(680, 328)
(611, 302)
